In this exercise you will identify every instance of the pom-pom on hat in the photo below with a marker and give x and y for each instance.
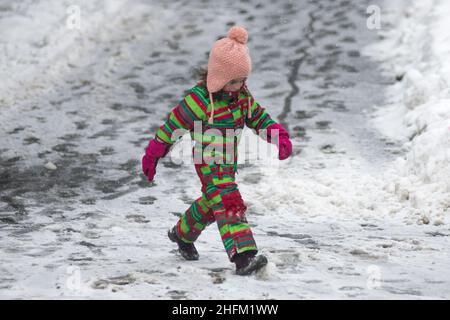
(229, 59)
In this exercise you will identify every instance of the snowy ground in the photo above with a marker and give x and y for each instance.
(417, 108)
(332, 220)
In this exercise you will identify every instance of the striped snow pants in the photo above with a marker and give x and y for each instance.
(221, 201)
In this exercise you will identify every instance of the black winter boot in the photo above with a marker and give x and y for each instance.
(187, 250)
(248, 262)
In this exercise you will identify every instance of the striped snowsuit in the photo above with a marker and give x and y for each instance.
(221, 200)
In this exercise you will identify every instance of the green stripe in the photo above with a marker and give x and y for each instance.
(163, 136)
(184, 224)
(238, 227)
(246, 244)
(195, 108)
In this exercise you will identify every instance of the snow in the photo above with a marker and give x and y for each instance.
(418, 114)
(50, 166)
(359, 211)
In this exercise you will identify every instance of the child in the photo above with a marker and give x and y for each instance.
(221, 101)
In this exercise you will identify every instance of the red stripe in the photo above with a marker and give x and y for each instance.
(183, 123)
(242, 102)
(247, 232)
(212, 195)
(199, 103)
(189, 107)
(171, 126)
(226, 184)
(241, 239)
(165, 131)
(180, 232)
(226, 235)
(200, 209)
(225, 116)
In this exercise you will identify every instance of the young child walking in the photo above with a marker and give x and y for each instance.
(218, 103)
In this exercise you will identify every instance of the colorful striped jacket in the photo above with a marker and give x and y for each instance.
(216, 142)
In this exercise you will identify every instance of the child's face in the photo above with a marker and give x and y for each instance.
(234, 85)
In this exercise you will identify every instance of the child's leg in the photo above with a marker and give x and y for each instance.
(229, 209)
(194, 220)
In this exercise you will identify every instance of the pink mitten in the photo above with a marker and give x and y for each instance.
(155, 151)
(278, 135)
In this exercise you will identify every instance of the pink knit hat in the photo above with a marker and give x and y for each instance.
(229, 59)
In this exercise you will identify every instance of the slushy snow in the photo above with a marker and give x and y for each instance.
(418, 114)
(340, 219)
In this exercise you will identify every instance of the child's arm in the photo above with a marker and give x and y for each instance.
(191, 108)
(260, 118)
(268, 129)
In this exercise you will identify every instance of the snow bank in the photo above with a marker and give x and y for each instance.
(415, 51)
